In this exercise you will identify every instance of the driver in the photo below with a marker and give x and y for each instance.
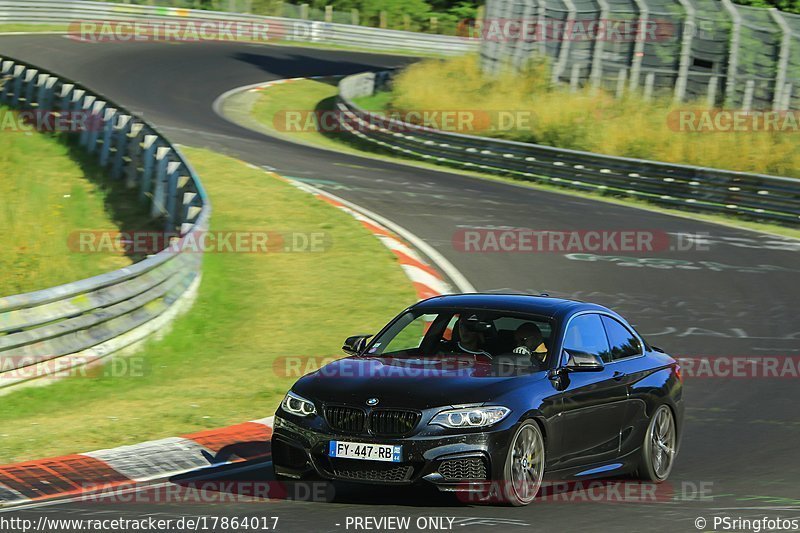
(529, 342)
(470, 340)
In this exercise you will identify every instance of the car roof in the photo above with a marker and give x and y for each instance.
(517, 303)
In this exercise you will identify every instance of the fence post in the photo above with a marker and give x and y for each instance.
(354, 18)
(711, 95)
(787, 96)
(563, 52)
(574, 77)
(383, 22)
(596, 74)
(733, 55)
(622, 77)
(328, 13)
(783, 59)
(304, 11)
(649, 83)
(686, 50)
(747, 100)
(638, 45)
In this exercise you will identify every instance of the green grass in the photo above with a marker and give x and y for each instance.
(215, 366)
(257, 110)
(31, 28)
(49, 193)
(587, 120)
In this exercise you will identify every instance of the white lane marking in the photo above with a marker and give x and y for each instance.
(435, 257)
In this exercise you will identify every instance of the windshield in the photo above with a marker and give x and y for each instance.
(508, 337)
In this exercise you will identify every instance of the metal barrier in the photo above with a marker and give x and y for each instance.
(72, 13)
(50, 331)
(754, 196)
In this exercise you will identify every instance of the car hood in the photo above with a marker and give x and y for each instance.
(418, 382)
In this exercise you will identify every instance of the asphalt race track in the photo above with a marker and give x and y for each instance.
(741, 435)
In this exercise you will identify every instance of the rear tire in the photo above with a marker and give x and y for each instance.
(659, 447)
(524, 467)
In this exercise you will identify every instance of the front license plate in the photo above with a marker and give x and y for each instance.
(367, 452)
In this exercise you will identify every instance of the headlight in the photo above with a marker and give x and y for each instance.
(297, 405)
(471, 417)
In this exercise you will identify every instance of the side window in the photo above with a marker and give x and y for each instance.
(587, 334)
(410, 337)
(623, 342)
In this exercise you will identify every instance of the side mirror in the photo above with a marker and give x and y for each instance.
(583, 362)
(355, 345)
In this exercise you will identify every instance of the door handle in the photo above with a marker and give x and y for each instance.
(618, 375)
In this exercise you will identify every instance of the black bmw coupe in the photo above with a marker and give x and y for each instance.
(471, 390)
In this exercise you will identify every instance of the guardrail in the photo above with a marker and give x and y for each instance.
(755, 196)
(48, 332)
(74, 12)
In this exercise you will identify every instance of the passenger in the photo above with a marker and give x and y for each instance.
(529, 342)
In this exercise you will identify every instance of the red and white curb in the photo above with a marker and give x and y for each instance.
(84, 473)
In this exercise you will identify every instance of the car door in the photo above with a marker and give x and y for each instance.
(593, 404)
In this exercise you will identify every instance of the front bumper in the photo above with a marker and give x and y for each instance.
(450, 461)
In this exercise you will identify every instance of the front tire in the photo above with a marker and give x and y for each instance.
(524, 467)
(659, 447)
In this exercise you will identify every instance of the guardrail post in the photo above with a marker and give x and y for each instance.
(638, 45)
(41, 80)
(135, 137)
(747, 101)
(191, 209)
(108, 130)
(75, 104)
(328, 13)
(85, 111)
(48, 93)
(596, 74)
(733, 54)
(19, 70)
(563, 52)
(689, 28)
(93, 123)
(6, 68)
(121, 145)
(711, 95)
(66, 97)
(148, 162)
(31, 75)
(173, 176)
(157, 208)
(783, 59)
